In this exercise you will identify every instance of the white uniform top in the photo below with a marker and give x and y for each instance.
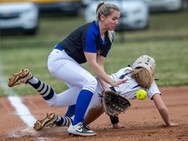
(129, 88)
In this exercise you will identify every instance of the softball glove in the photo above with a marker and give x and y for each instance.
(113, 103)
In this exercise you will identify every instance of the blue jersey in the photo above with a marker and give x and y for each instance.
(86, 38)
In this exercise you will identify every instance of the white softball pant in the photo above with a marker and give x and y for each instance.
(74, 75)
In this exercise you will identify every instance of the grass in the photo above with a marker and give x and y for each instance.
(166, 40)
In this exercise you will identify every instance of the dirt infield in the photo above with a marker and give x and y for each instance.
(142, 121)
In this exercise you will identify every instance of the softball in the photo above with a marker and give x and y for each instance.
(141, 94)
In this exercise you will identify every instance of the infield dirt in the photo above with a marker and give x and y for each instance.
(142, 121)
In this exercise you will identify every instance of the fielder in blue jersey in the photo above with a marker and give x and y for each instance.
(89, 43)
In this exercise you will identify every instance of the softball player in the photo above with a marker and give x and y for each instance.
(89, 43)
(139, 76)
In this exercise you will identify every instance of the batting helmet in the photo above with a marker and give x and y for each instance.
(145, 61)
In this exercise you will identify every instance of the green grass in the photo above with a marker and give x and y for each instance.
(166, 40)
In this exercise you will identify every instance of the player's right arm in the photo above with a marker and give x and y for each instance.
(96, 68)
(159, 103)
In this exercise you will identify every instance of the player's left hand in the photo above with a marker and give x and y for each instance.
(173, 124)
(117, 126)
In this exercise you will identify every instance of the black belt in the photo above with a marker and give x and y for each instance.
(113, 89)
(58, 47)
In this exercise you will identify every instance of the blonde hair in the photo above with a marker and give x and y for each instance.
(143, 77)
(106, 9)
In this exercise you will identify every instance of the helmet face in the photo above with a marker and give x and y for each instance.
(145, 61)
